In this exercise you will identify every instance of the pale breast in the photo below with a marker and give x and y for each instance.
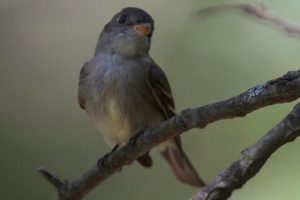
(121, 102)
(112, 124)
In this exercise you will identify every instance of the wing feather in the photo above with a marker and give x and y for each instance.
(82, 77)
(161, 91)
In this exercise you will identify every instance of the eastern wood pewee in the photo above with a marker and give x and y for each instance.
(124, 91)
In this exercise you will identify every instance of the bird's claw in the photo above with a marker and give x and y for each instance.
(133, 139)
(102, 160)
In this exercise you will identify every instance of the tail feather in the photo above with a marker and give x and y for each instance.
(180, 164)
(145, 160)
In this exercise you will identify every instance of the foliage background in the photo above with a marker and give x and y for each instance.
(43, 46)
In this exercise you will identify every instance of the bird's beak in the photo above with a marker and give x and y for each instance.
(144, 29)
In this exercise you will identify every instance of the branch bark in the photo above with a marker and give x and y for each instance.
(280, 90)
(252, 159)
(258, 11)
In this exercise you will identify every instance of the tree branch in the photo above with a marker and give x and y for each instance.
(259, 11)
(280, 90)
(252, 159)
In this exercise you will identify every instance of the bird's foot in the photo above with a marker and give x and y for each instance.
(102, 160)
(133, 139)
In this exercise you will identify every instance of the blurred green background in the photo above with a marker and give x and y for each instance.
(43, 46)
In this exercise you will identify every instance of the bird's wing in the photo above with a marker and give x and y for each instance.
(161, 91)
(172, 151)
(80, 95)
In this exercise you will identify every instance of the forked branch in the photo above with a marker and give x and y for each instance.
(280, 90)
(252, 159)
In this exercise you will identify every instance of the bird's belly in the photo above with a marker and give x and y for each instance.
(113, 125)
(119, 122)
(121, 104)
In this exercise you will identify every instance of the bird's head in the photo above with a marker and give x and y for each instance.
(128, 33)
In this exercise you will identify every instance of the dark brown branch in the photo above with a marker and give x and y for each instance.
(259, 11)
(252, 159)
(283, 89)
(52, 179)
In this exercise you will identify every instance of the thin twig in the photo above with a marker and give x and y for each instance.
(259, 11)
(283, 89)
(54, 180)
(252, 159)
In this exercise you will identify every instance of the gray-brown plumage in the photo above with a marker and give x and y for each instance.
(124, 91)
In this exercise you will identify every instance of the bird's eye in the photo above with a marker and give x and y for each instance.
(123, 19)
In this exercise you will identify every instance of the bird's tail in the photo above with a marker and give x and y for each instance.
(180, 164)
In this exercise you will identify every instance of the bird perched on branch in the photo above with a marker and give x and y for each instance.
(124, 91)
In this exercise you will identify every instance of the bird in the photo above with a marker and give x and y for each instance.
(124, 91)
